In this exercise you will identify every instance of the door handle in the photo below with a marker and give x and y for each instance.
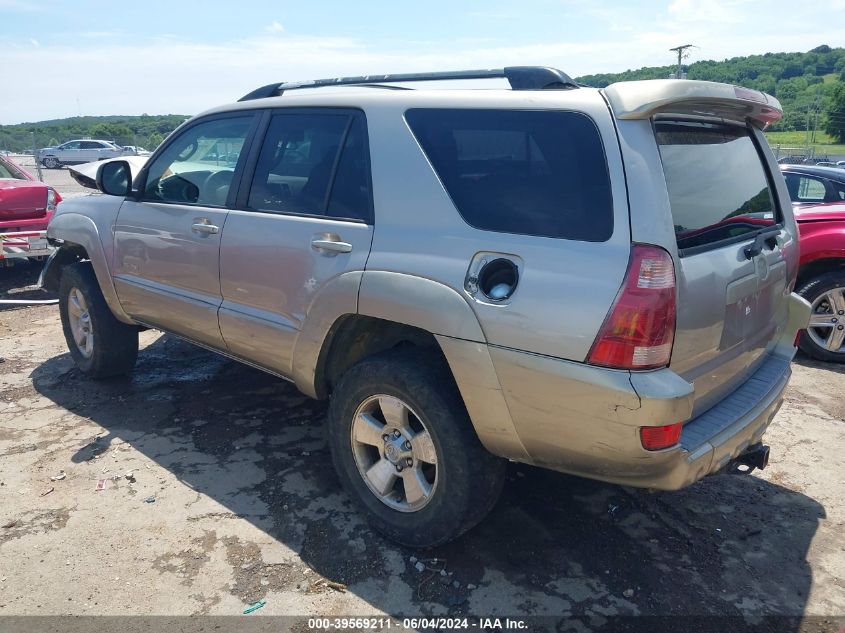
(205, 228)
(331, 246)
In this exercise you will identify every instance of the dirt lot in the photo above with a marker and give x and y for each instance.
(218, 492)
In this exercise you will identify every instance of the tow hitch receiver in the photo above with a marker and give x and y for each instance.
(756, 456)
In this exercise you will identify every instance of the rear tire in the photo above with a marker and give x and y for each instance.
(439, 480)
(101, 346)
(826, 294)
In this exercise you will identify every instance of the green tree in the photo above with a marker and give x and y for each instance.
(154, 141)
(835, 114)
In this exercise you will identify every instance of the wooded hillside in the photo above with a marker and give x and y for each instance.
(145, 131)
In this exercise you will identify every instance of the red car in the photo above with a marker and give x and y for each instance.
(26, 204)
(821, 278)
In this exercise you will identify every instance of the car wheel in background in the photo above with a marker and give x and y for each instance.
(405, 449)
(824, 339)
(51, 162)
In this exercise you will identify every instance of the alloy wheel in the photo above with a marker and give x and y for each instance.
(394, 453)
(79, 318)
(827, 321)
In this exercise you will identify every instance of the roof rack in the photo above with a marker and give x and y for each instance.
(519, 77)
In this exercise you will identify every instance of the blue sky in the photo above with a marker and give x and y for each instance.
(65, 58)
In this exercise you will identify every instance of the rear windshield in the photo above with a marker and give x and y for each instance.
(718, 189)
(520, 171)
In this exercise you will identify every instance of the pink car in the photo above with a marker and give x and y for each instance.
(26, 205)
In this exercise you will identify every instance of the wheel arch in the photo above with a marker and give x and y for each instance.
(385, 298)
(79, 235)
(818, 267)
(394, 310)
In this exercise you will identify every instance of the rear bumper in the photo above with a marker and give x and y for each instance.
(24, 245)
(718, 436)
(585, 420)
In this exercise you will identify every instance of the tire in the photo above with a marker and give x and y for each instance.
(110, 347)
(466, 481)
(826, 293)
(51, 162)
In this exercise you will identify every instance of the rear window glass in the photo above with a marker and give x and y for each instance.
(805, 188)
(520, 171)
(717, 187)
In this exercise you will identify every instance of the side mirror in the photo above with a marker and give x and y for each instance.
(114, 178)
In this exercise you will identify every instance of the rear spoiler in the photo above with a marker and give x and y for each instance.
(644, 99)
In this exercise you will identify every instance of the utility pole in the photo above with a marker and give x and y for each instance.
(816, 108)
(807, 137)
(813, 116)
(35, 156)
(682, 54)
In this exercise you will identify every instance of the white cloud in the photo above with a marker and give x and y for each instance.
(274, 27)
(34, 41)
(715, 11)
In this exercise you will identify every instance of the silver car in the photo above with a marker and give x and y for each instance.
(593, 281)
(78, 152)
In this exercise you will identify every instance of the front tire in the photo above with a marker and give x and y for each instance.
(101, 346)
(51, 162)
(824, 339)
(405, 449)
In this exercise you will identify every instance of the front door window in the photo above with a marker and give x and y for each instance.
(198, 167)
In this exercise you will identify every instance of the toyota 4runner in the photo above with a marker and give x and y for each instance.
(593, 281)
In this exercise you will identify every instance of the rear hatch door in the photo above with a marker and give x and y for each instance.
(732, 274)
(704, 185)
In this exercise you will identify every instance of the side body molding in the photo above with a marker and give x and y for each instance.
(80, 229)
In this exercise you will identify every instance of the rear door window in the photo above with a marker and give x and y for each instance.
(530, 172)
(313, 164)
(718, 188)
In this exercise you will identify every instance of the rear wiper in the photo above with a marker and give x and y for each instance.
(764, 238)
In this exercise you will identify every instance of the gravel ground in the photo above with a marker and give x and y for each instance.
(218, 492)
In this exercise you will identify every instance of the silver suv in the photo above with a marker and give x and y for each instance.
(593, 281)
(78, 152)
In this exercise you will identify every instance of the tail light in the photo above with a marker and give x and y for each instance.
(655, 438)
(53, 198)
(640, 328)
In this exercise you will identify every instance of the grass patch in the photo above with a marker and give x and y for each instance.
(824, 143)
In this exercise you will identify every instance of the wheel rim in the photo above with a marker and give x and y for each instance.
(80, 322)
(394, 453)
(827, 321)
(51, 162)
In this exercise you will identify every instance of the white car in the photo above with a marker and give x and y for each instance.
(132, 150)
(78, 152)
